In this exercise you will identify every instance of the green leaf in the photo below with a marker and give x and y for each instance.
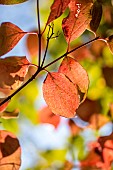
(11, 2)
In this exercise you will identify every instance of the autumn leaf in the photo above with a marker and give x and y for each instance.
(91, 161)
(10, 35)
(13, 71)
(3, 106)
(107, 73)
(87, 109)
(97, 121)
(106, 142)
(81, 55)
(46, 116)
(78, 19)
(76, 73)
(110, 42)
(68, 165)
(10, 115)
(57, 8)
(60, 94)
(32, 44)
(96, 16)
(11, 2)
(10, 151)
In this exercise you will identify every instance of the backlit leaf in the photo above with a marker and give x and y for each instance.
(12, 72)
(11, 2)
(32, 44)
(10, 35)
(57, 8)
(78, 19)
(60, 94)
(46, 116)
(9, 115)
(10, 151)
(76, 73)
(4, 106)
(96, 16)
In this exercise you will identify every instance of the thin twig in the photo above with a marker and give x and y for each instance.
(48, 39)
(39, 34)
(39, 69)
(68, 52)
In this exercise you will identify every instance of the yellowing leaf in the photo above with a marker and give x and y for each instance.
(12, 72)
(10, 35)
(57, 8)
(76, 73)
(10, 151)
(9, 115)
(77, 20)
(11, 2)
(96, 16)
(60, 94)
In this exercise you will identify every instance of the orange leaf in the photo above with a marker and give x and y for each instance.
(32, 44)
(12, 72)
(4, 106)
(77, 20)
(10, 35)
(9, 151)
(46, 116)
(60, 94)
(76, 73)
(57, 8)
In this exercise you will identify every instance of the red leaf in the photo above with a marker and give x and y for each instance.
(9, 151)
(106, 142)
(57, 8)
(60, 94)
(10, 35)
(46, 116)
(77, 20)
(12, 72)
(76, 73)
